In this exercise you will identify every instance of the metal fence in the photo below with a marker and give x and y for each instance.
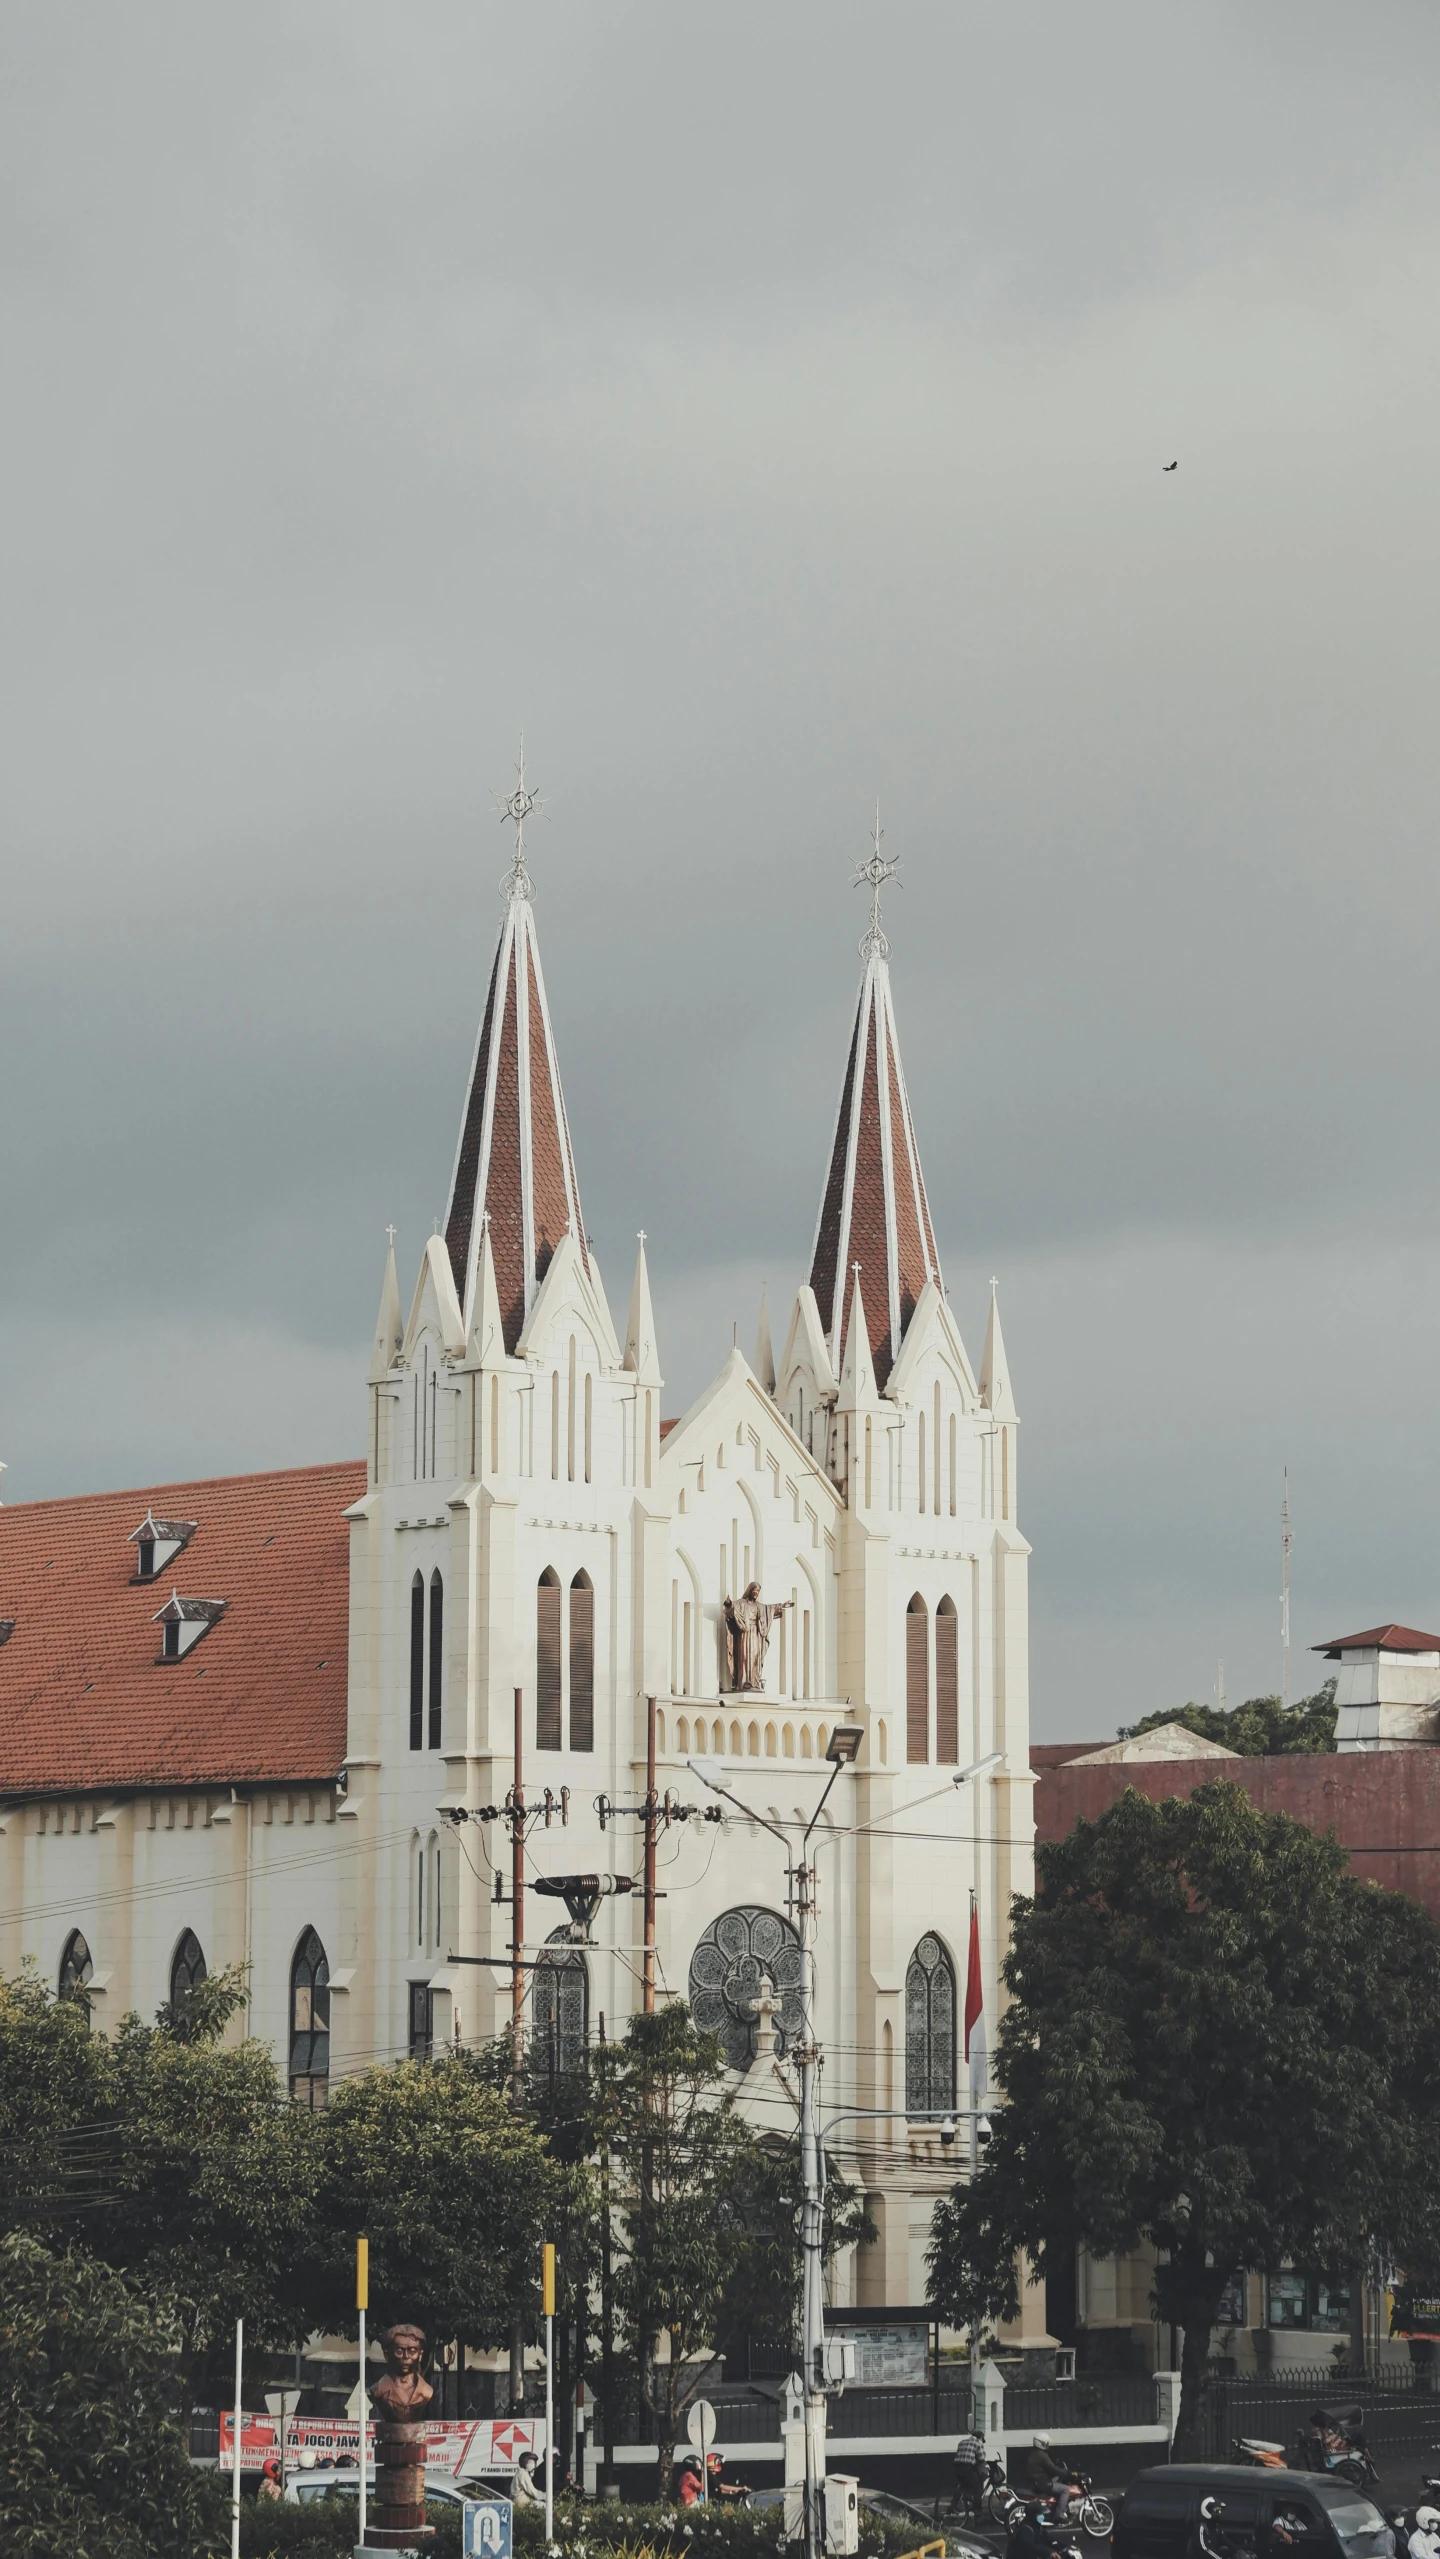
(1092, 2399)
(1402, 2418)
(863, 2411)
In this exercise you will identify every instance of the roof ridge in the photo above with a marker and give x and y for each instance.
(149, 1493)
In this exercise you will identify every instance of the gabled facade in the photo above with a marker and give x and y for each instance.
(527, 1523)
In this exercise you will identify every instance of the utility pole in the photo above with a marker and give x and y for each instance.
(651, 1815)
(517, 1987)
(517, 1889)
(1286, 1542)
(607, 2341)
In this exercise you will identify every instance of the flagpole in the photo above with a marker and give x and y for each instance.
(975, 2053)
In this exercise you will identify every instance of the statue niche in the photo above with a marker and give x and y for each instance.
(748, 1624)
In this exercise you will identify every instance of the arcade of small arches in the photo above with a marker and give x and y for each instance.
(767, 1736)
(308, 2053)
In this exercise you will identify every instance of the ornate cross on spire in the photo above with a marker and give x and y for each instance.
(873, 875)
(521, 803)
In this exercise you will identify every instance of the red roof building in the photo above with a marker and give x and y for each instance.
(88, 1700)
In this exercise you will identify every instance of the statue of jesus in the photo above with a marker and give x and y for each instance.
(748, 1622)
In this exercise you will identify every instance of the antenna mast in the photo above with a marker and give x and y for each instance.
(1286, 1542)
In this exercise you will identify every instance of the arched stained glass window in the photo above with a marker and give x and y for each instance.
(929, 2029)
(560, 2008)
(188, 1968)
(310, 2022)
(76, 1966)
(738, 1951)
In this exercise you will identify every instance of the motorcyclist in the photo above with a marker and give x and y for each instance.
(1049, 2478)
(1424, 2541)
(1027, 2540)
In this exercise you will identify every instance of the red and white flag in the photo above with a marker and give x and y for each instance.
(975, 2013)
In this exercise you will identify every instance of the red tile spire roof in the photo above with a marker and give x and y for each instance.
(514, 1161)
(874, 1210)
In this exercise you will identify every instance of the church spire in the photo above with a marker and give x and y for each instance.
(514, 1161)
(874, 1211)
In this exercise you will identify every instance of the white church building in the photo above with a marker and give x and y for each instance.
(239, 1718)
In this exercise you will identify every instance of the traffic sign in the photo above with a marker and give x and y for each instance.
(488, 2528)
(700, 2424)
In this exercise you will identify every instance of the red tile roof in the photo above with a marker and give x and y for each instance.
(85, 1702)
(1384, 1639)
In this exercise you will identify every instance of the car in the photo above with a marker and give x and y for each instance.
(305, 2487)
(1159, 2514)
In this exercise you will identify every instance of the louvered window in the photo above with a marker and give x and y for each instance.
(417, 1662)
(947, 1684)
(547, 1663)
(437, 1655)
(917, 1680)
(582, 1663)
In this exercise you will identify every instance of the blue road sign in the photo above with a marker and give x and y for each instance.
(489, 2531)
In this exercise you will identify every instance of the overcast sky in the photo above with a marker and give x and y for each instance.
(763, 408)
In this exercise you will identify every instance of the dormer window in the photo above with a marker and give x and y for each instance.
(157, 1542)
(182, 1622)
(7, 1629)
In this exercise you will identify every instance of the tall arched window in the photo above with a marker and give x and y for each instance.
(560, 2015)
(188, 1968)
(917, 1680)
(547, 1662)
(947, 1683)
(310, 2022)
(740, 1950)
(929, 2029)
(76, 1966)
(417, 1662)
(582, 1663)
(437, 1655)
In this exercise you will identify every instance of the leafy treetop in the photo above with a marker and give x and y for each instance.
(1261, 1728)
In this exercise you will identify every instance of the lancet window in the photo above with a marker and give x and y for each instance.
(929, 2029)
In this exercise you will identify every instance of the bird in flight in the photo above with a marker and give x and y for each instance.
(1171, 466)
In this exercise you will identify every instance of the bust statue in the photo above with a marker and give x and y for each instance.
(402, 2394)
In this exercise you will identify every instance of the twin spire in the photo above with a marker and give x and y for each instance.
(515, 1172)
(514, 1167)
(873, 1211)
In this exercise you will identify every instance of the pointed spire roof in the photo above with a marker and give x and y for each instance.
(995, 1388)
(857, 1377)
(641, 1356)
(389, 1323)
(874, 1210)
(764, 1347)
(514, 1158)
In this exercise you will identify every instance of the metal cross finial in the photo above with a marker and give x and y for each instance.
(521, 803)
(874, 875)
(390, 1231)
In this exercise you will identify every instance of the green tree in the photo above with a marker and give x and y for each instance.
(685, 2173)
(1261, 1728)
(52, 2098)
(212, 2174)
(1219, 2043)
(91, 2464)
(454, 2190)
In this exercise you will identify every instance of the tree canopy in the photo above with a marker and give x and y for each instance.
(91, 2463)
(1219, 2043)
(1260, 1728)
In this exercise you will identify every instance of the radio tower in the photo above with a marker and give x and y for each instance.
(1286, 1542)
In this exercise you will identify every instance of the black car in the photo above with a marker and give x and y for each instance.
(1160, 2514)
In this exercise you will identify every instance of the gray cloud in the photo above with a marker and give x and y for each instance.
(761, 412)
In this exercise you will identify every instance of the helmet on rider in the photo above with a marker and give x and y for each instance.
(1427, 2519)
(1041, 2442)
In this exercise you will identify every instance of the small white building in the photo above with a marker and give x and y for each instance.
(1387, 1688)
(273, 1718)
